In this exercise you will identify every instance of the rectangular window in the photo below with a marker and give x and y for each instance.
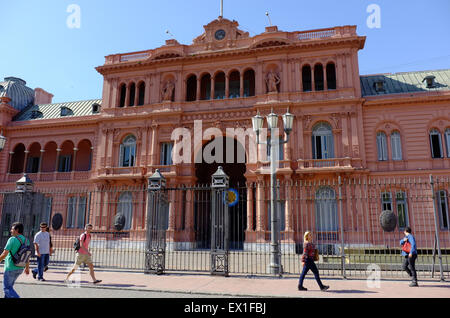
(447, 141)
(47, 210)
(33, 165)
(65, 163)
(436, 150)
(166, 153)
(382, 147)
(76, 212)
(386, 201)
(443, 209)
(396, 146)
(402, 210)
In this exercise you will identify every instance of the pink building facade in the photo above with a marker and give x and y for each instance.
(347, 125)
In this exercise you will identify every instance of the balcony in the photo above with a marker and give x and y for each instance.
(51, 176)
(135, 172)
(325, 165)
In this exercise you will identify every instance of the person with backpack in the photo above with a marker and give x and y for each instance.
(81, 246)
(42, 250)
(17, 255)
(409, 252)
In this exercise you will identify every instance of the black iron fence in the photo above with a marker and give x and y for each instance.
(345, 216)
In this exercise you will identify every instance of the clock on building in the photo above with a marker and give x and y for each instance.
(220, 34)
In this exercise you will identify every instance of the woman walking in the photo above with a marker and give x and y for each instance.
(308, 257)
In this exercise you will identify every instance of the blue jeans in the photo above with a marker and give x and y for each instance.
(310, 265)
(41, 262)
(9, 278)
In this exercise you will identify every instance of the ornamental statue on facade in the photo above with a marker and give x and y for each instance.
(167, 91)
(272, 81)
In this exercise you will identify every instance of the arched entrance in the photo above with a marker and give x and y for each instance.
(235, 168)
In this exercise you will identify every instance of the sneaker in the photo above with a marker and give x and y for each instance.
(97, 281)
(302, 288)
(34, 274)
(41, 279)
(413, 284)
(324, 288)
(45, 268)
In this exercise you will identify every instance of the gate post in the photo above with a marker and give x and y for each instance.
(436, 229)
(219, 223)
(24, 206)
(155, 251)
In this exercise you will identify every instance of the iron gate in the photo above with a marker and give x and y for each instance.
(344, 217)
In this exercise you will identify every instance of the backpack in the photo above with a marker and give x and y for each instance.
(23, 254)
(77, 244)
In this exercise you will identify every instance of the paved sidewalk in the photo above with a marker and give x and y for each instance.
(248, 287)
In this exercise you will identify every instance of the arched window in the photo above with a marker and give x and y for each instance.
(382, 146)
(234, 84)
(326, 214)
(306, 78)
(219, 86)
(128, 152)
(123, 94)
(191, 88)
(396, 145)
(322, 141)
(205, 87)
(18, 159)
(141, 96)
(331, 76)
(34, 157)
(436, 144)
(125, 207)
(318, 77)
(249, 83)
(132, 94)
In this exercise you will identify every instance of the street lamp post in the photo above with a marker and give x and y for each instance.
(272, 123)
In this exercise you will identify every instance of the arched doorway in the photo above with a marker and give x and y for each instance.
(235, 168)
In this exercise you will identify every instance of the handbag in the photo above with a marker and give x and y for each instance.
(406, 247)
(316, 255)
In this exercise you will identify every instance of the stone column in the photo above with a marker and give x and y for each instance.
(198, 92)
(11, 153)
(154, 154)
(25, 161)
(58, 154)
(345, 141)
(127, 95)
(325, 84)
(212, 87)
(75, 150)
(227, 86)
(40, 160)
(241, 84)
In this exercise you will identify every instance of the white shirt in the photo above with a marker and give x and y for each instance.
(42, 239)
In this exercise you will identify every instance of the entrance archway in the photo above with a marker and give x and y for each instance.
(235, 168)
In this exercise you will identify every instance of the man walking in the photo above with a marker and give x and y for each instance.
(83, 255)
(12, 272)
(42, 250)
(409, 252)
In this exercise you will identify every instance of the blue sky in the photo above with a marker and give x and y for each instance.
(38, 46)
